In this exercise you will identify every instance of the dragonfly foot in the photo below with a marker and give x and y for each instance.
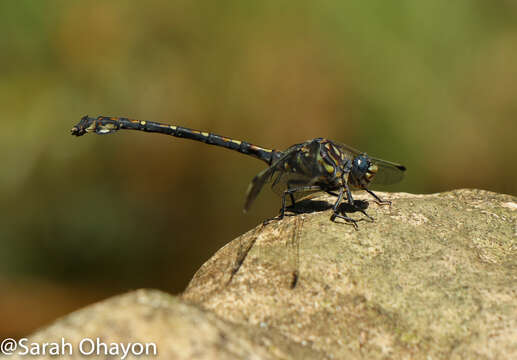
(368, 216)
(349, 220)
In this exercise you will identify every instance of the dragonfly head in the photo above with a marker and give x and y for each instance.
(363, 170)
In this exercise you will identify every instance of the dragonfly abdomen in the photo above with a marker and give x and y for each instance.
(106, 125)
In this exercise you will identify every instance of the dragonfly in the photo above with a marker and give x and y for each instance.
(317, 165)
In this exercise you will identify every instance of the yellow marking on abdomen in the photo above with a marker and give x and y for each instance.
(258, 148)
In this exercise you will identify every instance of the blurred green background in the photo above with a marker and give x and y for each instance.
(429, 84)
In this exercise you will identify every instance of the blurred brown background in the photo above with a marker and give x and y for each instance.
(429, 84)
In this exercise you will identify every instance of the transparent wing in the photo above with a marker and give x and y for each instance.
(261, 179)
(349, 151)
(388, 173)
(279, 178)
(288, 180)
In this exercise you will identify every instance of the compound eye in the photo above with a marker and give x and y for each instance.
(362, 163)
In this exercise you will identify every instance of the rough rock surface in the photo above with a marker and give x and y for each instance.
(434, 277)
(178, 330)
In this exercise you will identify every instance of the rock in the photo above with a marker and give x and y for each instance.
(178, 331)
(434, 277)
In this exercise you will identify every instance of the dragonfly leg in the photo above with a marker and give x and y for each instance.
(378, 200)
(291, 193)
(336, 214)
(351, 202)
(292, 199)
(332, 193)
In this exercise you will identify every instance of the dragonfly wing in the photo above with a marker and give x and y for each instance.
(290, 180)
(388, 173)
(256, 185)
(280, 179)
(348, 151)
(263, 178)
